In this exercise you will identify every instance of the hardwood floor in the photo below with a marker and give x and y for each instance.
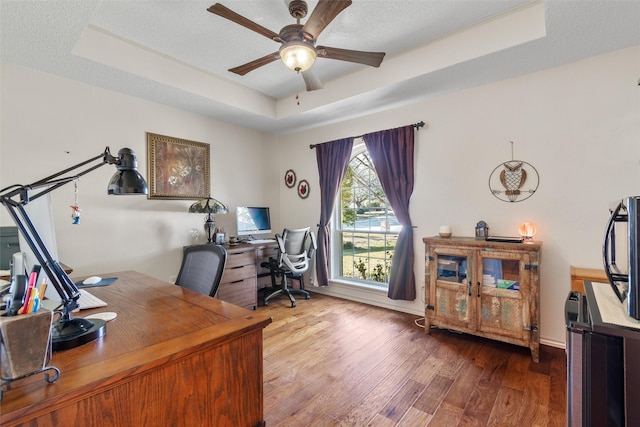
(331, 362)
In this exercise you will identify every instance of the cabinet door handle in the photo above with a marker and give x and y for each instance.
(478, 289)
(470, 288)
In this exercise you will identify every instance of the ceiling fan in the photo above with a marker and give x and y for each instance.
(299, 50)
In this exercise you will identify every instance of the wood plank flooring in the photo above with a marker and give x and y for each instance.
(332, 362)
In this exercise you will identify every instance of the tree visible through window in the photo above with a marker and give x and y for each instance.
(368, 229)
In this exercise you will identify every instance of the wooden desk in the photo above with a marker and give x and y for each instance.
(65, 267)
(579, 275)
(172, 357)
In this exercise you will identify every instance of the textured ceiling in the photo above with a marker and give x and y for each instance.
(177, 53)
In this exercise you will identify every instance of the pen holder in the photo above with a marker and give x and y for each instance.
(25, 345)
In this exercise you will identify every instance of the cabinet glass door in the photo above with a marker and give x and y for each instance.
(500, 285)
(451, 295)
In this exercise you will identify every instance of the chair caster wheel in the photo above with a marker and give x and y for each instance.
(307, 297)
(293, 305)
(266, 303)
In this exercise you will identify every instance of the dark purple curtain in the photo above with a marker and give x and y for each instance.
(391, 152)
(333, 159)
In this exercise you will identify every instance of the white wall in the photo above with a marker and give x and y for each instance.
(578, 125)
(50, 123)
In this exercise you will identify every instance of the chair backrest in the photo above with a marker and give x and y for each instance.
(296, 247)
(202, 268)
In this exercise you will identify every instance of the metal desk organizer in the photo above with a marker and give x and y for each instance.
(25, 348)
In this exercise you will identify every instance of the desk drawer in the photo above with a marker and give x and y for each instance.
(242, 293)
(235, 259)
(233, 274)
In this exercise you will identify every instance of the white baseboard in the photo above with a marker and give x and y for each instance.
(368, 295)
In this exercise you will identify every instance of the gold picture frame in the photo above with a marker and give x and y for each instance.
(177, 168)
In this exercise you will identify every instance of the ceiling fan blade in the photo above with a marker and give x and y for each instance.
(250, 66)
(311, 80)
(373, 59)
(323, 14)
(229, 14)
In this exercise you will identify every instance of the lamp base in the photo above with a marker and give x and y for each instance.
(210, 228)
(66, 334)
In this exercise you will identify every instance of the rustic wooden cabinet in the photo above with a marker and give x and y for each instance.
(490, 289)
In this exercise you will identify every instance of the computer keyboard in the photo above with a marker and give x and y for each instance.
(85, 301)
(260, 241)
(88, 300)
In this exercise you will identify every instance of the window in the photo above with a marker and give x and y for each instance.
(366, 226)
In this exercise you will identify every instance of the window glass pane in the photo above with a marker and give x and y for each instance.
(501, 273)
(368, 227)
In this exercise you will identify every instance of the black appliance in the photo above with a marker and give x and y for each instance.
(623, 270)
(603, 366)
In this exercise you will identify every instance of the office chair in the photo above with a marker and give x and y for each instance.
(295, 252)
(202, 268)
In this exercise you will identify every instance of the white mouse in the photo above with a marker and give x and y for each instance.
(91, 280)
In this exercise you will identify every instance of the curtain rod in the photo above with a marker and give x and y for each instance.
(415, 125)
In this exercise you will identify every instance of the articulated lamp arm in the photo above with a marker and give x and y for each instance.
(127, 180)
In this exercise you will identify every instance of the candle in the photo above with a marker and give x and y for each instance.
(444, 231)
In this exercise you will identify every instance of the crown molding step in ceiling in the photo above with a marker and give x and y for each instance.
(387, 53)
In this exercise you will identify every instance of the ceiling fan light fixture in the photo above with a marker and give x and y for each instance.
(298, 55)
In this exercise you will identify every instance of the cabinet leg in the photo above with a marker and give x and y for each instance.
(427, 325)
(535, 352)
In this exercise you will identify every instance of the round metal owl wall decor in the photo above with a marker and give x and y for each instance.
(514, 181)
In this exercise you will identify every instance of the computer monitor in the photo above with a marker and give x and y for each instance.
(253, 220)
(8, 246)
(40, 212)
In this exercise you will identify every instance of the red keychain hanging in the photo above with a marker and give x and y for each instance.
(75, 209)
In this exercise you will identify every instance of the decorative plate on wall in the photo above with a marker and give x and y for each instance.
(290, 178)
(303, 189)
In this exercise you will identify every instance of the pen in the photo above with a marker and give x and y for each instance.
(29, 293)
(36, 301)
(32, 300)
(43, 287)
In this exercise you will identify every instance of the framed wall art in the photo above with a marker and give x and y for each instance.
(290, 178)
(303, 189)
(177, 168)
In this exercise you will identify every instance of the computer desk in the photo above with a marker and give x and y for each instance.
(172, 357)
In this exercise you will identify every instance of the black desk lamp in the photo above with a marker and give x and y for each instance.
(69, 332)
